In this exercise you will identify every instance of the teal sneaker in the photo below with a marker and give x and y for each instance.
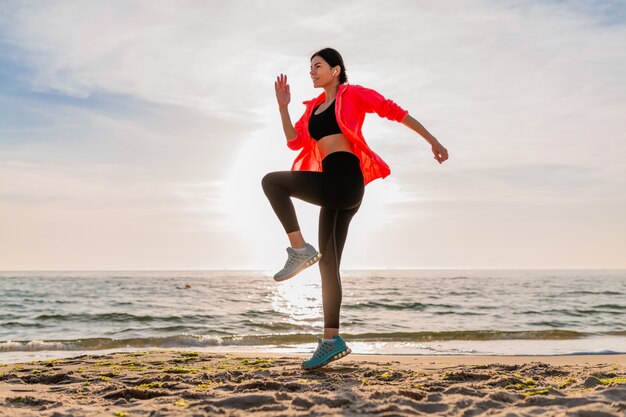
(297, 262)
(327, 351)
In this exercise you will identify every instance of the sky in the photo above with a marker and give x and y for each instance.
(134, 134)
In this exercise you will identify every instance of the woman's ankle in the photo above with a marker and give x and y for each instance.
(296, 240)
(330, 332)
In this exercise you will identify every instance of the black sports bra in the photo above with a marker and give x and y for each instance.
(323, 124)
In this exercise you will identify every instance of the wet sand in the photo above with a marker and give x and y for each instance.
(185, 383)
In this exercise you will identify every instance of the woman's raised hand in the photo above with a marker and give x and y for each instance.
(282, 91)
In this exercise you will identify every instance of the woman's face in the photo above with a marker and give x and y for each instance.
(322, 73)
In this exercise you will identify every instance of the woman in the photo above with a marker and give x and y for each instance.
(333, 167)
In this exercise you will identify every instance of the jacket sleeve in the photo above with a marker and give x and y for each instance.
(371, 101)
(298, 142)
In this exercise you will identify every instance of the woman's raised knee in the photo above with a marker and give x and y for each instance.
(267, 180)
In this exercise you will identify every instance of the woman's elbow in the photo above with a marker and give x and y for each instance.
(295, 143)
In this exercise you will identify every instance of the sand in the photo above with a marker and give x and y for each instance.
(185, 383)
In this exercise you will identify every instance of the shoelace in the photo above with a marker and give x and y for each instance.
(323, 348)
(293, 258)
(290, 261)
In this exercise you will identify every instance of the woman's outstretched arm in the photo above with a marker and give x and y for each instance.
(441, 153)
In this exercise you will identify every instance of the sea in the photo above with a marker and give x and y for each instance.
(47, 315)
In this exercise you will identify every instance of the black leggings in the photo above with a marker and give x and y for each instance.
(339, 190)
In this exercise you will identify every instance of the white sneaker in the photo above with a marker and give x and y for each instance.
(297, 262)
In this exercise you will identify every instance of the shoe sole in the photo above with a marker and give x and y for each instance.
(302, 268)
(332, 358)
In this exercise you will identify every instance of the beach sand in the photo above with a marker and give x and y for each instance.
(178, 382)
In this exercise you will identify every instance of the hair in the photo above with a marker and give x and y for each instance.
(333, 58)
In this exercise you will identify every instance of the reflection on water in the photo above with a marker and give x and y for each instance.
(300, 300)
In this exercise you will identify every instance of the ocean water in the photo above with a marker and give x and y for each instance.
(417, 312)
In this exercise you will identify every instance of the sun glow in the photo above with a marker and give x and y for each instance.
(300, 298)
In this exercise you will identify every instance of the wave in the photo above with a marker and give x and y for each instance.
(610, 309)
(585, 292)
(117, 317)
(20, 324)
(395, 306)
(102, 343)
(188, 340)
(611, 306)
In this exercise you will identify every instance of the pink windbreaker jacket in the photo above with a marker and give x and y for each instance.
(351, 105)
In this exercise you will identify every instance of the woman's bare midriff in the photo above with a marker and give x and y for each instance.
(334, 143)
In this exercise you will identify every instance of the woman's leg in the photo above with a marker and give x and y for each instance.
(333, 231)
(280, 186)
